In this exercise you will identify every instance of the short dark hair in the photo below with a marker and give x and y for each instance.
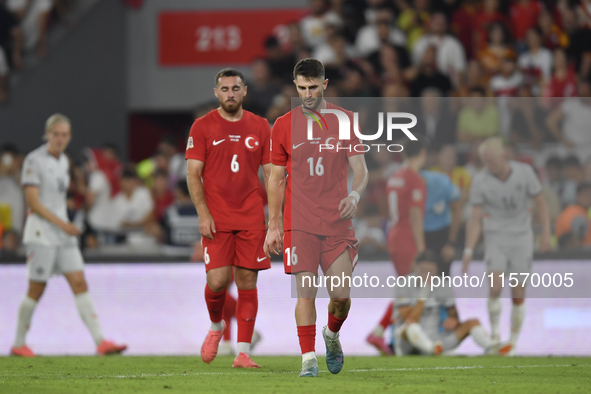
(412, 148)
(129, 174)
(428, 255)
(571, 161)
(554, 161)
(309, 68)
(183, 187)
(478, 89)
(9, 148)
(170, 139)
(160, 172)
(229, 72)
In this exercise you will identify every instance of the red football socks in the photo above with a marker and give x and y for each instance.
(307, 336)
(215, 304)
(229, 313)
(246, 313)
(387, 318)
(335, 323)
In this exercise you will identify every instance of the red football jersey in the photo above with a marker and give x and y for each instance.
(317, 180)
(232, 153)
(406, 189)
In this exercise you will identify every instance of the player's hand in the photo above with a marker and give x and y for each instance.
(545, 243)
(466, 262)
(206, 225)
(448, 252)
(349, 208)
(450, 323)
(71, 229)
(272, 243)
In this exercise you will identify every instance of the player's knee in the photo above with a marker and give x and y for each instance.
(341, 303)
(36, 291)
(79, 285)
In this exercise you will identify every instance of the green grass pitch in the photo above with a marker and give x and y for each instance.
(119, 374)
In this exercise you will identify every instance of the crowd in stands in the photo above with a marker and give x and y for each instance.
(518, 69)
(23, 29)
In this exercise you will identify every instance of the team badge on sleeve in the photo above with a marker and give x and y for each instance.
(417, 195)
(190, 143)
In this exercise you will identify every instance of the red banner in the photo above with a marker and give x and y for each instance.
(220, 37)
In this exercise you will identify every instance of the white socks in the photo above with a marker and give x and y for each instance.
(481, 337)
(494, 313)
(517, 314)
(217, 326)
(88, 314)
(25, 313)
(243, 347)
(308, 356)
(417, 337)
(331, 334)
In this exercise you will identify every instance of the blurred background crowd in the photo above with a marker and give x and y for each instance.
(520, 69)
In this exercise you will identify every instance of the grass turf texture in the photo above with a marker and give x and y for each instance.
(65, 375)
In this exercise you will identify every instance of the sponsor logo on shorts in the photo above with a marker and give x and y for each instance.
(259, 259)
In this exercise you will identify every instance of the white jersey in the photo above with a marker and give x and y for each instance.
(505, 204)
(52, 176)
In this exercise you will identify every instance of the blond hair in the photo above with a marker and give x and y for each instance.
(55, 119)
(493, 144)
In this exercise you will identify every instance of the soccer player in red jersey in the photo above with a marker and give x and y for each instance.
(407, 194)
(226, 147)
(318, 209)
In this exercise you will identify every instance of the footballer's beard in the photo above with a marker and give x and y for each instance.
(231, 106)
(311, 102)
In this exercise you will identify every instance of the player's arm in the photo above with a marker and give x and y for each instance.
(195, 183)
(276, 193)
(544, 214)
(472, 235)
(412, 314)
(348, 205)
(32, 197)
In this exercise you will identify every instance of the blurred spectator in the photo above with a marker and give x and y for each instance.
(579, 39)
(133, 208)
(497, 49)
(435, 121)
(354, 85)
(536, 63)
(428, 75)
(281, 103)
(508, 81)
(280, 63)
(474, 162)
(335, 51)
(573, 170)
(564, 188)
(588, 170)
(313, 26)
(483, 22)
(574, 219)
(569, 123)
(261, 89)
(181, 226)
(162, 197)
(11, 39)
(526, 119)
(100, 190)
(414, 21)
(478, 119)
(451, 58)
(167, 158)
(475, 78)
(371, 36)
(553, 36)
(4, 69)
(33, 16)
(447, 163)
(369, 229)
(297, 45)
(12, 201)
(9, 243)
(524, 15)
(462, 25)
(563, 82)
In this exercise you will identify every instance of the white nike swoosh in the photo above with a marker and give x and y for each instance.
(259, 260)
(218, 142)
(297, 146)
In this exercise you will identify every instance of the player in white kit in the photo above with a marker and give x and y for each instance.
(50, 238)
(500, 196)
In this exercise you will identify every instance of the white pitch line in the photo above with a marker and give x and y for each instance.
(292, 372)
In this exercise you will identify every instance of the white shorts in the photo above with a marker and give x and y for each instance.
(45, 261)
(509, 254)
